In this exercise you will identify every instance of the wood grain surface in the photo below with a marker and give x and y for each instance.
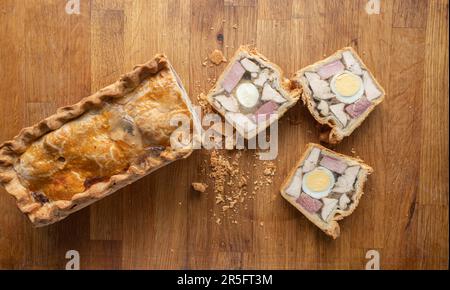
(49, 58)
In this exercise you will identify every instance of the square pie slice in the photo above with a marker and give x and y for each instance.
(252, 93)
(326, 186)
(340, 92)
(106, 141)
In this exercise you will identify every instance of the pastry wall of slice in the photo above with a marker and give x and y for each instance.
(106, 141)
(326, 186)
(252, 93)
(340, 92)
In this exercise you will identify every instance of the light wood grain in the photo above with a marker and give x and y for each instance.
(50, 59)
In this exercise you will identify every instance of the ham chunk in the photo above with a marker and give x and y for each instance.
(356, 109)
(233, 77)
(312, 205)
(331, 69)
(266, 110)
(333, 164)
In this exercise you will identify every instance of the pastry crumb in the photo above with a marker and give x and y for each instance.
(199, 186)
(234, 187)
(206, 107)
(217, 57)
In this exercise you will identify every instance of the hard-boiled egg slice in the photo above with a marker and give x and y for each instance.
(347, 87)
(318, 183)
(248, 95)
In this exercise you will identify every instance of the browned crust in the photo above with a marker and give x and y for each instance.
(48, 213)
(332, 227)
(332, 133)
(288, 88)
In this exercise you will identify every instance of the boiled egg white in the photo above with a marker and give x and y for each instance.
(248, 95)
(347, 87)
(318, 183)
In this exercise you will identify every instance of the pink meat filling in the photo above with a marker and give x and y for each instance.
(333, 164)
(312, 205)
(233, 77)
(265, 111)
(331, 69)
(355, 110)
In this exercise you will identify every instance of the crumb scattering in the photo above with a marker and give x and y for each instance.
(206, 107)
(235, 187)
(217, 57)
(200, 187)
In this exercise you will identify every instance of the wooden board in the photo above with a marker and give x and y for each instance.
(49, 58)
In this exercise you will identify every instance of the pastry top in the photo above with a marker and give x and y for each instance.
(326, 186)
(89, 150)
(340, 92)
(252, 92)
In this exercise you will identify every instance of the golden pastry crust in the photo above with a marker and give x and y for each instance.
(332, 134)
(288, 89)
(91, 149)
(331, 227)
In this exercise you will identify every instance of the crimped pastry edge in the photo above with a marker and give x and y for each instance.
(331, 228)
(287, 88)
(48, 213)
(334, 134)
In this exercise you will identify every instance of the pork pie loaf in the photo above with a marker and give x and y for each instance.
(326, 186)
(106, 141)
(252, 93)
(340, 92)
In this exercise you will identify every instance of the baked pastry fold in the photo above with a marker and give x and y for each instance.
(106, 141)
(326, 186)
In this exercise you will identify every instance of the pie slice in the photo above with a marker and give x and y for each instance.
(326, 186)
(106, 141)
(252, 93)
(340, 93)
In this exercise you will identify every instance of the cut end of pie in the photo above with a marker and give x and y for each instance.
(340, 92)
(326, 186)
(252, 93)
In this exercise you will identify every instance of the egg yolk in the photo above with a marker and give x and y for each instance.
(318, 180)
(347, 84)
